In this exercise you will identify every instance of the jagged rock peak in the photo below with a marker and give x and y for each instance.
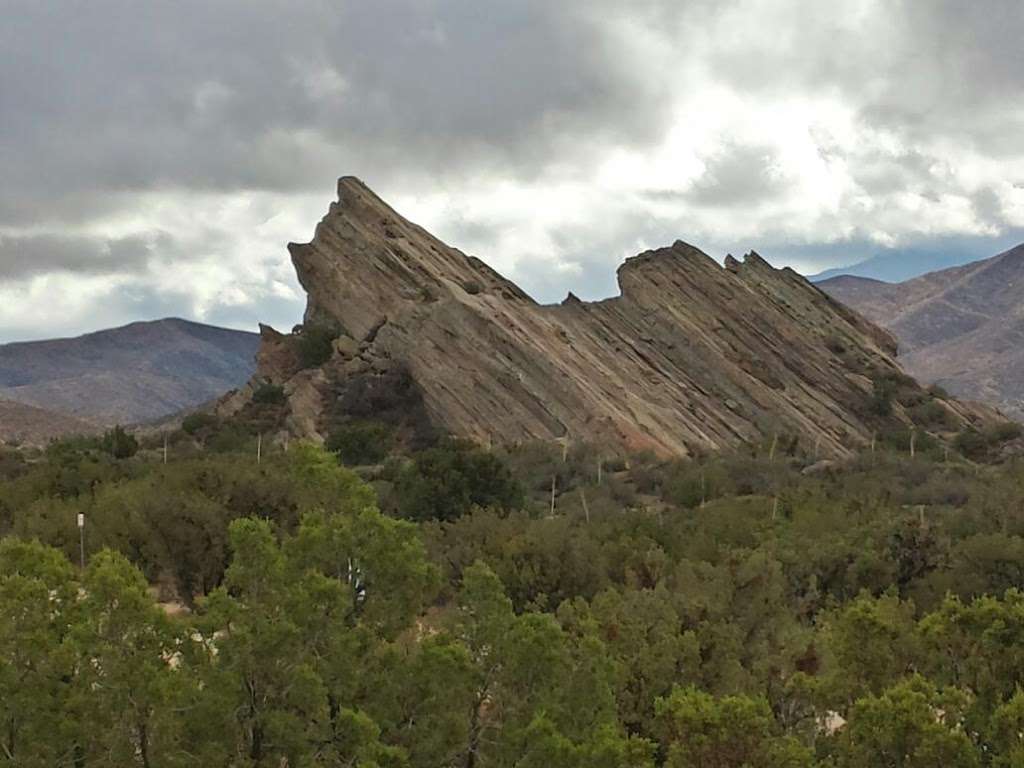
(690, 356)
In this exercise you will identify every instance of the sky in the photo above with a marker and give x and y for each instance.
(156, 157)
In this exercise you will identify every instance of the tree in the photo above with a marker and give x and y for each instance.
(868, 643)
(118, 443)
(37, 606)
(126, 684)
(911, 725)
(699, 731)
(445, 482)
(262, 702)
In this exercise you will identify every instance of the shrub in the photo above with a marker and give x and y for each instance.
(882, 392)
(269, 394)
(445, 482)
(361, 442)
(931, 413)
(316, 345)
(118, 443)
(198, 422)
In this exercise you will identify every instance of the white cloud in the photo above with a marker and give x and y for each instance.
(166, 173)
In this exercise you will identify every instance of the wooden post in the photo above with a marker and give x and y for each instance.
(259, 448)
(586, 508)
(913, 441)
(600, 464)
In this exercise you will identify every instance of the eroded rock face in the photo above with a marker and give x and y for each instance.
(691, 356)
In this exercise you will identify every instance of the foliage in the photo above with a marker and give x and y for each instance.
(119, 444)
(445, 482)
(728, 611)
(268, 393)
(315, 344)
(361, 442)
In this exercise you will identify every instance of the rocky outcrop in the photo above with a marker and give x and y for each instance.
(690, 356)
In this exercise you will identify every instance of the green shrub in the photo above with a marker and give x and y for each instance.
(269, 394)
(118, 443)
(931, 414)
(445, 482)
(316, 345)
(198, 422)
(361, 442)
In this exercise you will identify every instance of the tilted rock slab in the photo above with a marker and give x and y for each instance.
(691, 356)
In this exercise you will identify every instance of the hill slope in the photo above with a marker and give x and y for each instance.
(130, 374)
(20, 423)
(961, 327)
(691, 356)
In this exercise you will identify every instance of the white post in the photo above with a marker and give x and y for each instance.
(259, 447)
(165, 447)
(81, 540)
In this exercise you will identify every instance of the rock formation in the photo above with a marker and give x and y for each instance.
(690, 356)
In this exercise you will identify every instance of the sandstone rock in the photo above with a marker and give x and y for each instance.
(346, 347)
(690, 356)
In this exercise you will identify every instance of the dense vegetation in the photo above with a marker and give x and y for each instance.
(540, 606)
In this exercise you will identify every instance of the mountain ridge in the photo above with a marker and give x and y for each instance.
(133, 373)
(960, 327)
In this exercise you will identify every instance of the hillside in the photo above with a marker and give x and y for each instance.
(26, 424)
(130, 374)
(691, 356)
(961, 327)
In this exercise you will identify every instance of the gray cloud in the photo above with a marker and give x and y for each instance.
(22, 257)
(137, 137)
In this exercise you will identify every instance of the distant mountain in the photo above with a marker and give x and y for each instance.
(962, 328)
(897, 266)
(20, 423)
(135, 373)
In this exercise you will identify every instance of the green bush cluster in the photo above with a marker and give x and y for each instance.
(727, 611)
(361, 442)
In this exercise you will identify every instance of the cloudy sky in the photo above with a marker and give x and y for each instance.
(156, 156)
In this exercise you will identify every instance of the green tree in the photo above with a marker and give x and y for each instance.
(37, 606)
(699, 731)
(911, 725)
(119, 443)
(126, 684)
(445, 482)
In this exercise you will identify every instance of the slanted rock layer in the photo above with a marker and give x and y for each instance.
(690, 356)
